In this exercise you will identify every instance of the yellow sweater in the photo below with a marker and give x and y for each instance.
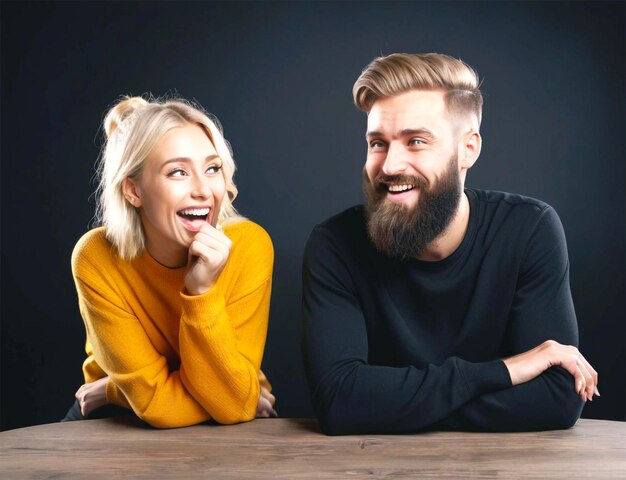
(175, 359)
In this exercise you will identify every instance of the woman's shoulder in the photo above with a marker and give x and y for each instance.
(251, 243)
(244, 231)
(92, 248)
(251, 259)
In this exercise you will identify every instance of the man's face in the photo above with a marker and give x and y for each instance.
(409, 134)
(412, 180)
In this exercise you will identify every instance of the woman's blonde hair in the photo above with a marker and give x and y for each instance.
(401, 72)
(133, 127)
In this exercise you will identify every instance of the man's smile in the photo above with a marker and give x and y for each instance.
(399, 188)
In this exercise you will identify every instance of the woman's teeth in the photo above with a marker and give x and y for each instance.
(195, 213)
(200, 212)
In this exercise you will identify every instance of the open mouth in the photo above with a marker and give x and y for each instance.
(194, 218)
(399, 188)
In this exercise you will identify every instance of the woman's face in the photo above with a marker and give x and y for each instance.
(180, 188)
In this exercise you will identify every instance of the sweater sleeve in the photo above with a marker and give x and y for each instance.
(137, 372)
(221, 342)
(542, 310)
(349, 395)
(222, 337)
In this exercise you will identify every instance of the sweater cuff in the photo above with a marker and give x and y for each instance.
(486, 377)
(203, 310)
(115, 396)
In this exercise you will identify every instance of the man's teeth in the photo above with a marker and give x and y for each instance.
(199, 212)
(400, 188)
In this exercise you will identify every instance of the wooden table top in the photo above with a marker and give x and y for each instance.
(295, 449)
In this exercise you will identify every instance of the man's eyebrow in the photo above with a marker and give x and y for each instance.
(373, 133)
(403, 133)
(424, 132)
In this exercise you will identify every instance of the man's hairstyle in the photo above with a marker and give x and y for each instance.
(133, 127)
(401, 72)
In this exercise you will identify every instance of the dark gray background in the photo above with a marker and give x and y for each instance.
(279, 77)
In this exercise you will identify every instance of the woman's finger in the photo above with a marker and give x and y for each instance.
(212, 233)
(213, 255)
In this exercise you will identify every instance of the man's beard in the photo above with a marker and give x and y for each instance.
(402, 232)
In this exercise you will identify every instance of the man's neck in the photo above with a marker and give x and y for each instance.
(445, 244)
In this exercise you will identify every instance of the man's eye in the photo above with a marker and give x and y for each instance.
(416, 141)
(177, 172)
(213, 169)
(377, 144)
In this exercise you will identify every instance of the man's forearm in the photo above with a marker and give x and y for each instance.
(547, 402)
(359, 398)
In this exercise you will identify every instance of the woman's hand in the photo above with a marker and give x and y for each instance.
(208, 255)
(92, 395)
(264, 408)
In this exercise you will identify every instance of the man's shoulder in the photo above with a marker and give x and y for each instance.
(347, 227)
(346, 220)
(512, 216)
(510, 208)
(346, 231)
(507, 199)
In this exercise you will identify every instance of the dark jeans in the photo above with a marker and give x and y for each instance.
(103, 412)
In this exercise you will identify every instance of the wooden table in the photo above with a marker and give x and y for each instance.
(295, 448)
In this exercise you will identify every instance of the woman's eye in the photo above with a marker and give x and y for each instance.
(213, 169)
(177, 172)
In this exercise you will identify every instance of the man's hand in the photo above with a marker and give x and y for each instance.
(264, 408)
(92, 395)
(531, 364)
(208, 254)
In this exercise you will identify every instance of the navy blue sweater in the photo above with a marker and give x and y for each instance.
(393, 347)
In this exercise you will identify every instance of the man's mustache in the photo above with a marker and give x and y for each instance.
(382, 181)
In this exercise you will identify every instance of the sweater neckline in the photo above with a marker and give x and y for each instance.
(151, 264)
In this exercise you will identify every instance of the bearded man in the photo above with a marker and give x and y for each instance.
(434, 306)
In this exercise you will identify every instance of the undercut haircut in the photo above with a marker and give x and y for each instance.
(402, 72)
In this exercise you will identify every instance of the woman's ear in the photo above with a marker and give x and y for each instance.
(470, 146)
(132, 192)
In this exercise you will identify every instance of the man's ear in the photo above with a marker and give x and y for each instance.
(469, 149)
(132, 192)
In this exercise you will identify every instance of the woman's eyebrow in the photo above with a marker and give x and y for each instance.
(188, 159)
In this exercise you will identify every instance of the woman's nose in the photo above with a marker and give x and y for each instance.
(201, 187)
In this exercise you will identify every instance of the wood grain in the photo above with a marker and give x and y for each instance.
(295, 449)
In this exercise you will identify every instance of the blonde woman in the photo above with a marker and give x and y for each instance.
(174, 286)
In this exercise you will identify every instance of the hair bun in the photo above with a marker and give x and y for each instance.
(122, 110)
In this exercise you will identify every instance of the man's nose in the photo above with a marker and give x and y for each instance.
(395, 161)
